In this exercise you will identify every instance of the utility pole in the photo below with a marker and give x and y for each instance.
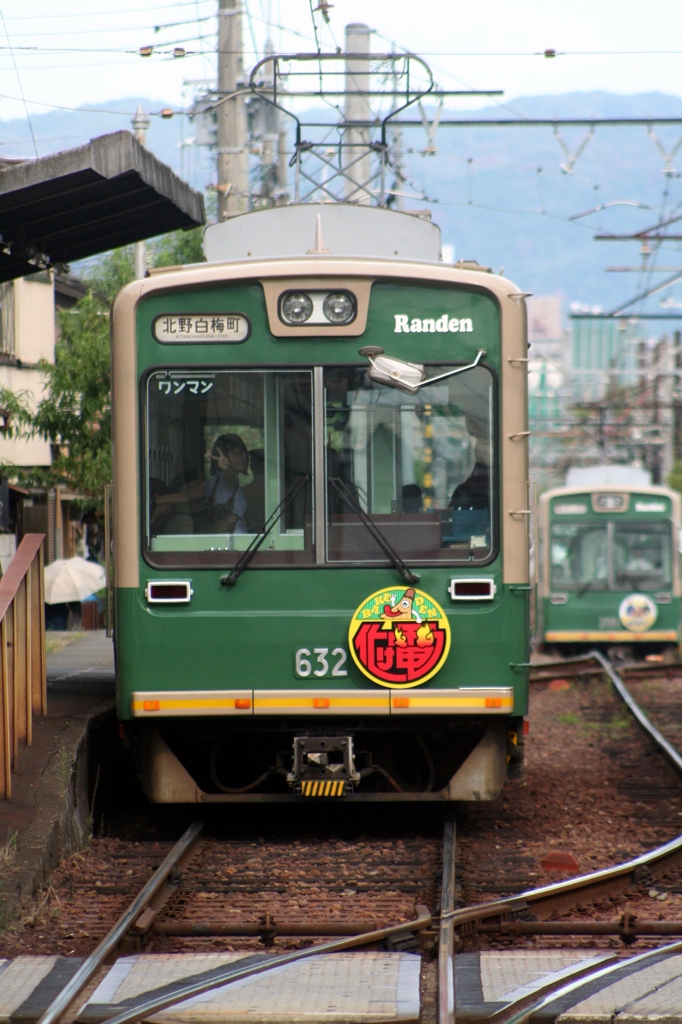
(140, 125)
(233, 170)
(655, 418)
(397, 201)
(357, 159)
(677, 400)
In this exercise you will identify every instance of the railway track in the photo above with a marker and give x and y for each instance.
(192, 898)
(139, 919)
(534, 912)
(242, 892)
(594, 663)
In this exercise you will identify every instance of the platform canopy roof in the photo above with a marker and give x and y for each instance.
(84, 201)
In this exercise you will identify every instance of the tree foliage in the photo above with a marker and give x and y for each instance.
(74, 413)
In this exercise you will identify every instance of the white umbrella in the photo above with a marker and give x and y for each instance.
(72, 579)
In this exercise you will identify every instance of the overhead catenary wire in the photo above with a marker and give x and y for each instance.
(21, 90)
(321, 32)
(85, 110)
(110, 30)
(109, 13)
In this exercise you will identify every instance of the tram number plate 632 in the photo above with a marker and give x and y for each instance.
(320, 662)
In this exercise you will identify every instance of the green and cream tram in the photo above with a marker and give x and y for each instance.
(609, 567)
(321, 515)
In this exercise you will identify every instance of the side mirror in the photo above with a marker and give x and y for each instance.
(410, 377)
(395, 373)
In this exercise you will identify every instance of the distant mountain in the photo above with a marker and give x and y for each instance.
(499, 194)
(65, 129)
(491, 208)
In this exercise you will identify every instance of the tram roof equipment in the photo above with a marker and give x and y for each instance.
(71, 205)
(323, 229)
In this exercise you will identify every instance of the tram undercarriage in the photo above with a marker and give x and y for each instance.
(202, 761)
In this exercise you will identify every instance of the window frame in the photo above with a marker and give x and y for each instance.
(193, 560)
(443, 562)
(208, 559)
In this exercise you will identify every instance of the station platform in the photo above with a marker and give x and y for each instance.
(351, 988)
(47, 815)
(347, 988)
(487, 982)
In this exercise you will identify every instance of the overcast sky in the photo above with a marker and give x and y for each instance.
(86, 51)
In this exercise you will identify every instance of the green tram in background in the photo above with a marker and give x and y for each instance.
(609, 571)
(321, 515)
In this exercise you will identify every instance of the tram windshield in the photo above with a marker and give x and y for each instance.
(230, 457)
(420, 466)
(228, 450)
(642, 556)
(611, 556)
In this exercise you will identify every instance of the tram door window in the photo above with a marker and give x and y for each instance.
(225, 451)
(421, 466)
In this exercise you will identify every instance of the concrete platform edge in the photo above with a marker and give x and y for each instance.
(61, 816)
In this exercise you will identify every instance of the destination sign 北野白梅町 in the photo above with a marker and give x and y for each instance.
(206, 328)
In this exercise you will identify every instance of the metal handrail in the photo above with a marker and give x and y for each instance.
(22, 675)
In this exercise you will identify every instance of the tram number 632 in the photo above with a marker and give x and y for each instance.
(306, 662)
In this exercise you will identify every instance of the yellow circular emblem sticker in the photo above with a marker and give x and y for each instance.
(399, 637)
(637, 613)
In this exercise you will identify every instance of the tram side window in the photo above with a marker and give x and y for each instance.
(579, 557)
(420, 466)
(226, 451)
(642, 558)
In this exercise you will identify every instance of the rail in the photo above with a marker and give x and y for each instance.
(516, 1014)
(141, 905)
(500, 916)
(561, 896)
(22, 653)
(594, 662)
(139, 917)
(249, 966)
(446, 931)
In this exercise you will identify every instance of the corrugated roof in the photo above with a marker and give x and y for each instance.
(84, 201)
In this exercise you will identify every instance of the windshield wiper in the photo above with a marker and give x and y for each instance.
(271, 522)
(369, 524)
(587, 586)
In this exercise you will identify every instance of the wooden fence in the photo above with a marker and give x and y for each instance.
(22, 653)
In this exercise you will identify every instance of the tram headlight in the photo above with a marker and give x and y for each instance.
(296, 308)
(338, 308)
(317, 308)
